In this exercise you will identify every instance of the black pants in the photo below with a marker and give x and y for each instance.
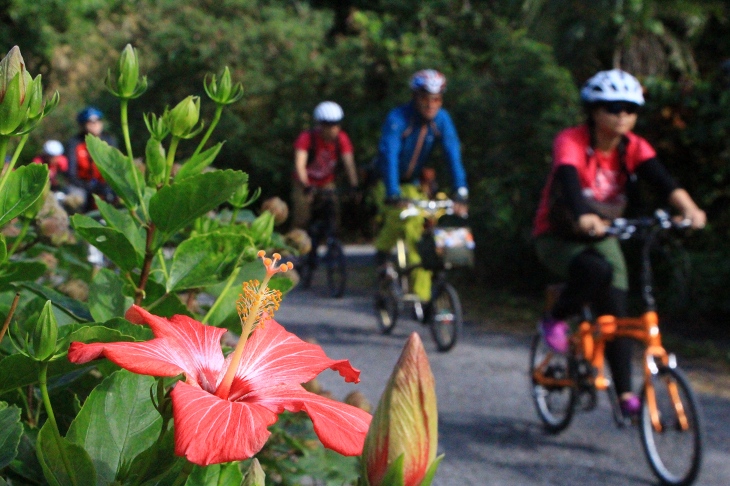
(589, 282)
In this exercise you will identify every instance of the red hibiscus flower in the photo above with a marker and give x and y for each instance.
(215, 422)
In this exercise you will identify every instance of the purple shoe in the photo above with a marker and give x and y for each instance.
(630, 406)
(555, 333)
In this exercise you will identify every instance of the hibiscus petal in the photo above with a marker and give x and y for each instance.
(339, 426)
(275, 356)
(147, 358)
(209, 430)
(193, 346)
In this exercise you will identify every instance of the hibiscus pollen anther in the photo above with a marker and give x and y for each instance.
(252, 292)
(271, 263)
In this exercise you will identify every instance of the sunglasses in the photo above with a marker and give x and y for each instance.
(616, 107)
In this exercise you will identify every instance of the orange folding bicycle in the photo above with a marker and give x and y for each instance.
(669, 422)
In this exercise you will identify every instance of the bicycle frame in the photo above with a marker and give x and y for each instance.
(588, 342)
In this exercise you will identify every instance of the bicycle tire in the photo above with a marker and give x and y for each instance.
(674, 455)
(336, 262)
(555, 405)
(387, 305)
(446, 318)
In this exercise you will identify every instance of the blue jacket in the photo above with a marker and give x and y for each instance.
(398, 142)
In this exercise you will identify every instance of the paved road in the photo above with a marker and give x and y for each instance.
(488, 428)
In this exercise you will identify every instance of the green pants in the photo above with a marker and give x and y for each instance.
(557, 253)
(409, 229)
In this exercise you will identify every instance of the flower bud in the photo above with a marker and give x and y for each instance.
(402, 439)
(45, 334)
(157, 126)
(255, 475)
(129, 85)
(222, 91)
(21, 96)
(182, 119)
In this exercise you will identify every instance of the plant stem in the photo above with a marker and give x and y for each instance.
(4, 151)
(6, 324)
(123, 106)
(19, 238)
(218, 301)
(43, 382)
(171, 159)
(148, 256)
(216, 119)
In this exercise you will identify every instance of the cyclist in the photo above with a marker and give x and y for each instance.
(592, 165)
(52, 156)
(408, 136)
(82, 170)
(316, 154)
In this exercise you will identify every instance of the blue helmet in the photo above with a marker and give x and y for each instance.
(88, 113)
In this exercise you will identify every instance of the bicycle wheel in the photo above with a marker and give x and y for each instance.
(336, 269)
(555, 402)
(445, 316)
(387, 305)
(674, 445)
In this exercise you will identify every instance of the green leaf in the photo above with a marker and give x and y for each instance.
(215, 474)
(119, 172)
(394, 474)
(106, 299)
(158, 461)
(195, 165)
(206, 260)
(111, 242)
(161, 303)
(117, 422)
(262, 228)
(23, 188)
(3, 249)
(11, 430)
(121, 220)
(73, 307)
(51, 451)
(18, 271)
(179, 204)
(428, 478)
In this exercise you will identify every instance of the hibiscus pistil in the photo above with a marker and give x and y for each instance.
(256, 302)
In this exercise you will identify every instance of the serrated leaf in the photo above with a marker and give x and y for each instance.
(195, 165)
(23, 188)
(206, 260)
(76, 309)
(119, 172)
(117, 422)
(178, 205)
(114, 244)
(51, 452)
(122, 221)
(215, 474)
(11, 430)
(14, 272)
(106, 299)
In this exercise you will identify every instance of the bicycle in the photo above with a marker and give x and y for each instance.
(669, 420)
(322, 228)
(443, 314)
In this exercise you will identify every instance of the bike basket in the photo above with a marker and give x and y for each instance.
(447, 247)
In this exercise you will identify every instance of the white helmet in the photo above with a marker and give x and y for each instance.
(428, 80)
(53, 148)
(613, 85)
(328, 112)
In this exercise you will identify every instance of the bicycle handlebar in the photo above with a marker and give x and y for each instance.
(624, 228)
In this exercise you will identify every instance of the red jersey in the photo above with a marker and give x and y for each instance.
(321, 170)
(56, 164)
(86, 168)
(600, 174)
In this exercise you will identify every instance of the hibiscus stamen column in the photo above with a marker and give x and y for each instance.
(252, 304)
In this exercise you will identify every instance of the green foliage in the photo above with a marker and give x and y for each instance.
(11, 429)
